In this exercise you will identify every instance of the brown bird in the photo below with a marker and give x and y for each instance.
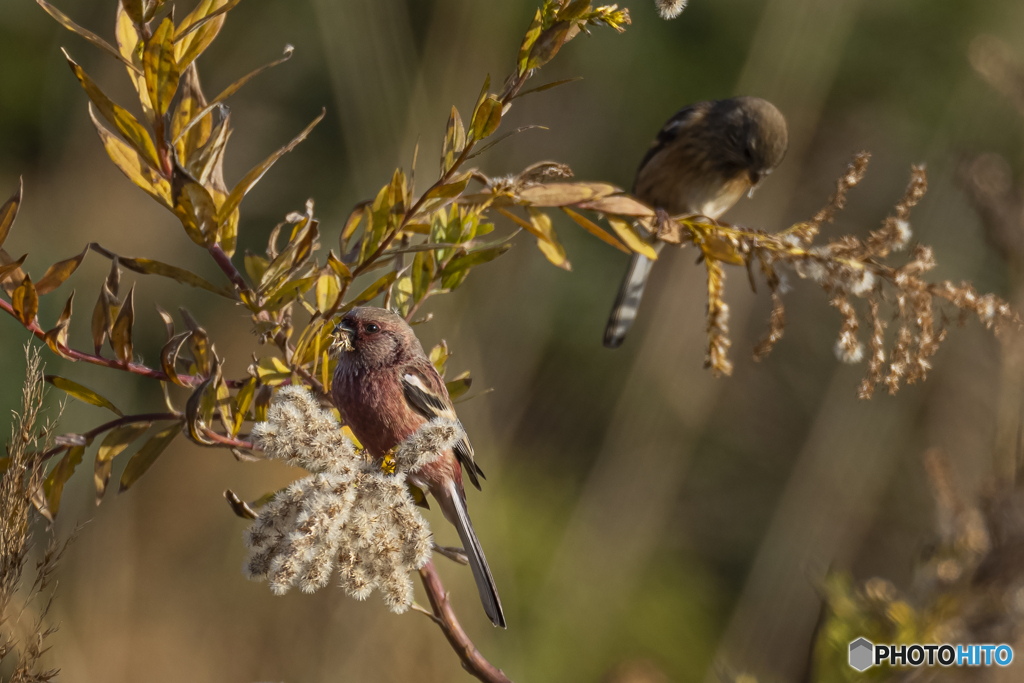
(386, 388)
(704, 159)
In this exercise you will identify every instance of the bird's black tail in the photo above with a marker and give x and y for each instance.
(454, 508)
(628, 300)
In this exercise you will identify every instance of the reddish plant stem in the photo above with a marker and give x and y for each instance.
(134, 368)
(444, 616)
(224, 261)
(113, 424)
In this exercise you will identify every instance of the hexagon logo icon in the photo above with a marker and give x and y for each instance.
(862, 653)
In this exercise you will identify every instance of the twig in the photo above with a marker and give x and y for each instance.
(472, 661)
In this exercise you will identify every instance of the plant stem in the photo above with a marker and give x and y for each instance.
(472, 661)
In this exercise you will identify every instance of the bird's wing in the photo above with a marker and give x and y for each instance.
(680, 121)
(426, 393)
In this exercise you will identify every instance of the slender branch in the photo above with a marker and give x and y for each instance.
(472, 661)
(96, 431)
(224, 261)
(134, 368)
(227, 441)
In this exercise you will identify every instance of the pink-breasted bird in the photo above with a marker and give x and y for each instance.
(386, 388)
(703, 160)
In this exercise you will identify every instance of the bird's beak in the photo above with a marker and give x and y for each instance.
(344, 334)
(755, 180)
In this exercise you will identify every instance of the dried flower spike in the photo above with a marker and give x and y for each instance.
(348, 513)
(670, 9)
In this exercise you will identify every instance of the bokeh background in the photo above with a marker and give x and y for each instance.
(644, 520)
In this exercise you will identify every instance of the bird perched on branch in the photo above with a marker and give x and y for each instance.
(703, 160)
(386, 388)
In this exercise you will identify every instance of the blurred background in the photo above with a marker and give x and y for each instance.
(644, 520)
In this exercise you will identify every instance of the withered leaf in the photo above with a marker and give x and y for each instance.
(57, 338)
(66, 22)
(116, 441)
(169, 356)
(564, 194)
(82, 393)
(147, 455)
(53, 486)
(11, 272)
(8, 212)
(56, 274)
(121, 332)
(623, 205)
(25, 301)
(243, 401)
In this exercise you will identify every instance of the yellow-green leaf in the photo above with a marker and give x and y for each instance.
(126, 124)
(147, 266)
(454, 141)
(373, 291)
(147, 455)
(66, 22)
(595, 230)
(486, 118)
(243, 401)
(82, 393)
(547, 242)
(116, 441)
(56, 274)
(422, 274)
(632, 237)
(254, 175)
(161, 67)
(8, 212)
(459, 385)
(131, 163)
(272, 371)
(328, 286)
(439, 357)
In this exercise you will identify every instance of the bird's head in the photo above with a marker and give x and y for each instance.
(373, 337)
(765, 137)
(758, 136)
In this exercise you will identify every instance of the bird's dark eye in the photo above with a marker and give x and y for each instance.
(371, 328)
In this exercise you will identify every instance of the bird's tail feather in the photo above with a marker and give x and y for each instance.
(453, 505)
(628, 300)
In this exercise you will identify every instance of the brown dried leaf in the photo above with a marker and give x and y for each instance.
(25, 301)
(565, 194)
(57, 338)
(116, 441)
(53, 486)
(169, 356)
(147, 455)
(8, 212)
(121, 332)
(56, 274)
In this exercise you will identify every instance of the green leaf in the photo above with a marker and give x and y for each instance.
(547, 86)
(8, 212)
(116, 441)
(147, 455)
(373, 291)
(459, 386)
(64, 21)
(457, 269)
(161, 68)
(254, 175)
(422, 274)
(486, 118)
(53, 486)
(126, 124)
(82, 393)
(454, 141)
